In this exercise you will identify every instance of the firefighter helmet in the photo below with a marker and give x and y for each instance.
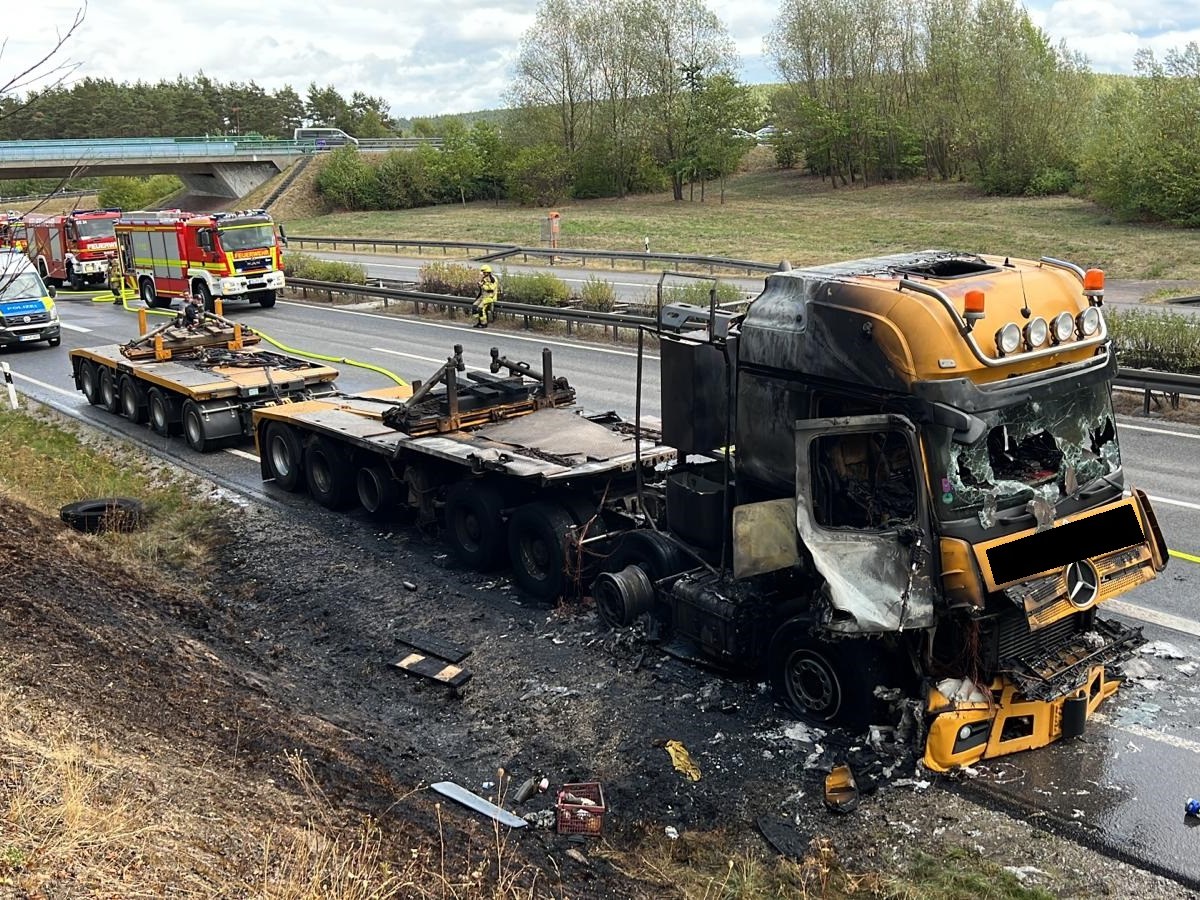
(485, 269)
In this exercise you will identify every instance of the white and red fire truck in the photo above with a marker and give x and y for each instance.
(75, 247)
(172, 253)
(12, 232)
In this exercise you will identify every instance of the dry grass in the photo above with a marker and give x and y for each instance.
(771, 215)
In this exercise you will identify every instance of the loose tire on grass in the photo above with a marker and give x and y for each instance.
(122, 514)
(284, 453)
(537, 548)
(330, 474)
(474, 524)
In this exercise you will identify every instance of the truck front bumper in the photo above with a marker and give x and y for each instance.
(1033, 704)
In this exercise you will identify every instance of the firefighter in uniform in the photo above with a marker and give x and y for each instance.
(485, 299)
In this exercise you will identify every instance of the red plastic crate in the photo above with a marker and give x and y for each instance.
(580, 818)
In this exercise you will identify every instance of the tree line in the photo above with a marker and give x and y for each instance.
(613, 97)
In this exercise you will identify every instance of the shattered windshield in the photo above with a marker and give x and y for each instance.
(1048, 447)
(247, 237)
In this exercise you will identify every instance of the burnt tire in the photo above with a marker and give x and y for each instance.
(89, 381)
(378, 490)
(284, 454)
(109, 398)
(122, 514)
(826, 681)
(538, 547)
(330, 474)
(658, 557)
(475, 525)
(163, 411)
(133, 399)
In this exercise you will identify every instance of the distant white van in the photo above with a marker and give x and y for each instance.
(325, 137)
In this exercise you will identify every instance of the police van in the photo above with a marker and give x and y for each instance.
(27, 313)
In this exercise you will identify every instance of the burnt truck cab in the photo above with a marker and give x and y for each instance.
(918, 484)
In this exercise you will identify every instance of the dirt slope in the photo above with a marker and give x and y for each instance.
(256, 707)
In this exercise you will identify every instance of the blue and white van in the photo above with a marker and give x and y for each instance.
(27, 313)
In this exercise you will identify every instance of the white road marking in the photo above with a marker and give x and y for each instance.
(1183, 434)
(79, 328)
(253, 457)
(1152, 616)
(1167, 500)
(48, 387)
(500, 335)
(1148, 734)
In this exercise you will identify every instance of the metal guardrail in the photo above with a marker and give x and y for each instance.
(44, 196)
(102, 149)
(554, 254)
(1172, 385)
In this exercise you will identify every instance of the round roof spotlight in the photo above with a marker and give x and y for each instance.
(1064, 327)
(1088, 321)
(1008, 339)
(1036, 332)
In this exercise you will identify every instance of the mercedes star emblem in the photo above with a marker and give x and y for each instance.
(1083, 584)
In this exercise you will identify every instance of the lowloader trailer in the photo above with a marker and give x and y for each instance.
(895, 472)
(203, 379)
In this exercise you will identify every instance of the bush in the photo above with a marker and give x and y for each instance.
(597, 294)
(347, 181)
(300, 265)
(1166, 341)
(1051, 181)
(697, 293)
(122, 192)
(449, 278)
(538, 289)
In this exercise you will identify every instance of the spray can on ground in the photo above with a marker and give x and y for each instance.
(1192, 807)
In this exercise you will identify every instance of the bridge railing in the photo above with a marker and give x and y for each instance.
(183, 148)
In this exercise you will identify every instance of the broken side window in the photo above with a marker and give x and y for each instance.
(1048, 447)
(864, 481)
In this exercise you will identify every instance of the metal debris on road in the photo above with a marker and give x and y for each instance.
(474, 802)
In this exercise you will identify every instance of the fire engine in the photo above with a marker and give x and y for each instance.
(12, 232)
(75, 247)
(172, 253)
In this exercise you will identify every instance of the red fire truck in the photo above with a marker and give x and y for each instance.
(172, 253)
(75, 247)
(12, 232)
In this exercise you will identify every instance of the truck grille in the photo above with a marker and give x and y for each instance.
(1014, 640)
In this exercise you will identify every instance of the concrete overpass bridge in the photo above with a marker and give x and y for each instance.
(222, 166)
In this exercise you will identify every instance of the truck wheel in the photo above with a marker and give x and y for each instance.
(89, 382)
(330, 475)
(266, 299)
(826, 681)
(205, 295)
(163, 411)
(149, 295)
(378, 491)
(538, 547)
(474, 524)
(285, 456)
(194, 431)
(74, 279)
(109, 398)
(133, 401)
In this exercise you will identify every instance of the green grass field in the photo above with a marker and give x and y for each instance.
(771, 215)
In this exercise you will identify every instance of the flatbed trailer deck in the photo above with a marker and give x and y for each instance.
(203, 380)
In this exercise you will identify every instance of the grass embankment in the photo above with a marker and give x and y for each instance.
(772, 215)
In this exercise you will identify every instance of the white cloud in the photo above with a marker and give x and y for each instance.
(436, 56)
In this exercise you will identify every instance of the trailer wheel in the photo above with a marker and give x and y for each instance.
(330, 474)
(194, 431)
(266, 299)
(378, 491)
(826, 681)
(205, 295)
(109, 398)
(285, 455)
(149, 295)
(133, 401)
(538, 549)
(163, 411)
(89, 382)
(474, 524)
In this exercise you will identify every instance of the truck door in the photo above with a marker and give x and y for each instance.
(863, 514)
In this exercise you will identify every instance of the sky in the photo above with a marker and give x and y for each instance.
(428, 57)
